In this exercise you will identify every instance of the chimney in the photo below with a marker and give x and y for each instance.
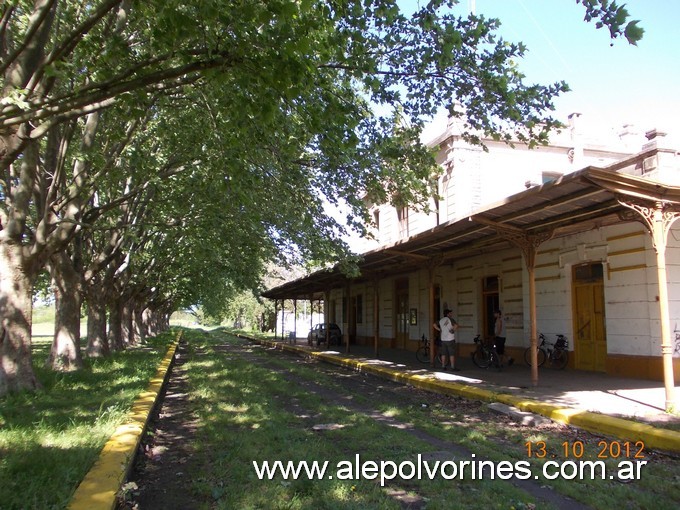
(573, 120)
(656, 139)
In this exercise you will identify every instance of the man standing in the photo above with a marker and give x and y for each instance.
(499, 333)
(448, 327)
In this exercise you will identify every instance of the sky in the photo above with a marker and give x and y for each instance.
(611, 85)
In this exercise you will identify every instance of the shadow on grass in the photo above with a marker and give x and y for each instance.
(250, 413)
(39, 476)
(50, 438)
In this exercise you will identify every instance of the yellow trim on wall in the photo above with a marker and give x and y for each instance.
(626, 236)
(513, 270)
(611, 270)
(627, 252)
(508, 287)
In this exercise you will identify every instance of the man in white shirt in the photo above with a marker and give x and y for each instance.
(448, 328)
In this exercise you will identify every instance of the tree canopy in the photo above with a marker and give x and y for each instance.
(166, 151)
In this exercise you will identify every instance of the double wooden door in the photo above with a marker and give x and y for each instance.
(590, 336)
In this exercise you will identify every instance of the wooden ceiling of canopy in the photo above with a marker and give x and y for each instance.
(577, 202)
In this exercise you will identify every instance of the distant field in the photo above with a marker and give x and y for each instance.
(183, 319)
(43, 322)
(43, 314)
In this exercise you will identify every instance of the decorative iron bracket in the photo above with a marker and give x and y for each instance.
(528, 243)
(657, 219)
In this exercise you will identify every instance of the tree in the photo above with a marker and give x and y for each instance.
(288, 92)
(609, 14)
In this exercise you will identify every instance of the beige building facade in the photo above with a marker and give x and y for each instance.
(577, 238)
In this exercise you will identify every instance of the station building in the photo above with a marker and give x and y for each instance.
(577, 238)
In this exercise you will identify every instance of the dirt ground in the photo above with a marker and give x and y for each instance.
(161, 476)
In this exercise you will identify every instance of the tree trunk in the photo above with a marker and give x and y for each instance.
(116, 341)
(16, 308)
(126, 324)
(149, 320)
(138, 329)
(97, 342)
(65, 353)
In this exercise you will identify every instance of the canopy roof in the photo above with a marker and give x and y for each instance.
(577, 202)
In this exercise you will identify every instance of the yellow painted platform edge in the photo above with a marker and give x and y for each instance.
(101, 484)
(653, 437)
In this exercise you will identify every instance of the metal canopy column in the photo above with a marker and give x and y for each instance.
(433, 264)
(283, 319)
(658, 206)
(376, 315)
(326, 319)
(658, 218)
(293, 339)
(528, 243)
(311, 313)
(347, 315)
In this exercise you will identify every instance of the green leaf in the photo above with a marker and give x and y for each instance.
(633, 32)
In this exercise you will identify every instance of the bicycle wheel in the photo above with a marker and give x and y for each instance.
(559, 359)
(482, 358)
(423, 354)
(540, 355)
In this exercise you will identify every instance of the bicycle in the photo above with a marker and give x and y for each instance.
(423, 351)
(485, 354)
(556, 354)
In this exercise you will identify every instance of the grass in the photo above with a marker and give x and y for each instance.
(50, 438)
(250, 412)
(255, 411)
(659, 487)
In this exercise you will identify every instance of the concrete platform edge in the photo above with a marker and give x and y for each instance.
(97, 491)
(629, 430)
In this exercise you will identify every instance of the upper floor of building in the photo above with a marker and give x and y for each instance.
(475, 177)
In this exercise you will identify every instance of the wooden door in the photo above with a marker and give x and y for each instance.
(491, 304)
(590, 338)
(402, 315)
